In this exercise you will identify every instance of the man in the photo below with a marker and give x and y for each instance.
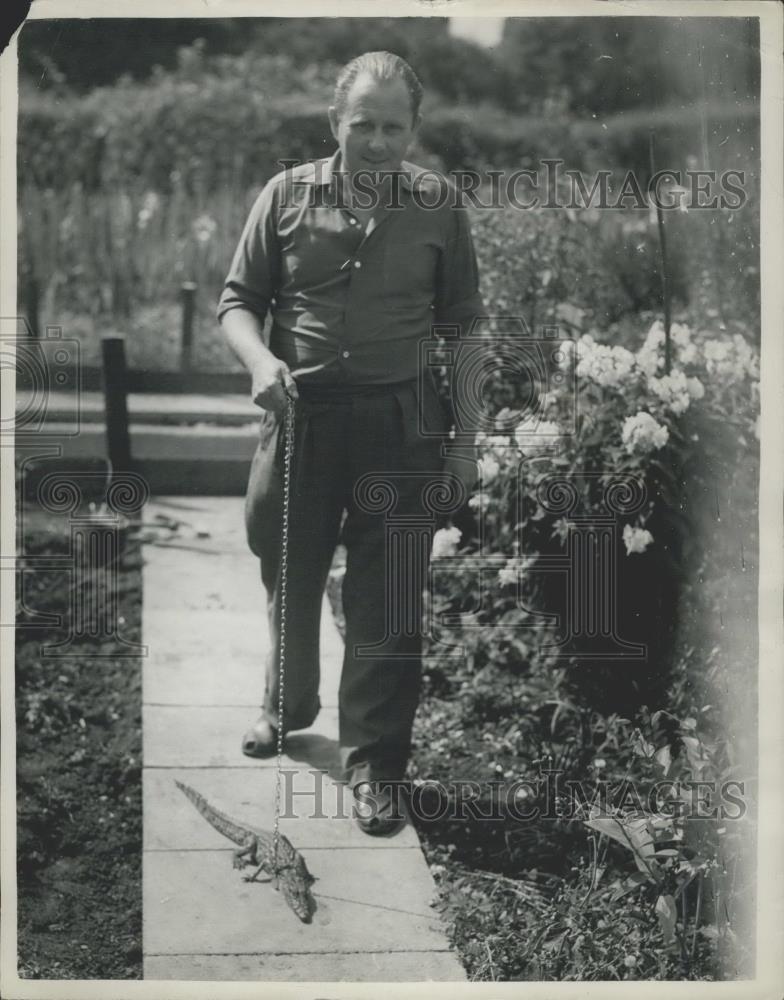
(356, 256)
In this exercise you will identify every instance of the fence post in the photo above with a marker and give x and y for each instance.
(29, 293)
(115, 401)
(188, 298)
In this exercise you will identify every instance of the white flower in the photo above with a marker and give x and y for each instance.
(603, 364)
(642, 434)
(746, 359)
(636, 539)
(688, 355)
(650, 357)
(204, 228)
(672, 390)
(479, 501)
(696, 388)
(715, 350)
(655, 335)
(488, 468)
(509, 574)
(445, 542)
(680, 334)
(533, 436)
(649, 361)
(730, 359)
(494, 446)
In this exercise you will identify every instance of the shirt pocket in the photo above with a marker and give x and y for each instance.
(410, 271)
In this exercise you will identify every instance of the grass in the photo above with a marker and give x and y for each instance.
(152, 337)
(79, 811)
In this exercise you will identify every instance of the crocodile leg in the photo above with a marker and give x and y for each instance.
(255, 876)
(262, 862)
(249, 849)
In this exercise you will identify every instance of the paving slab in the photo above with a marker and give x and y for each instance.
(194, 676)
(194, 901)
(171, 630)
(232, 585)
(316, 810)
(217, 657)
(199, 736)
(361, 967)
(204, 623)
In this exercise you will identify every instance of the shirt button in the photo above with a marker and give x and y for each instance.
(346, 354)
(357, 263)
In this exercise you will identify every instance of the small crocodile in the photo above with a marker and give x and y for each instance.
(257, 847)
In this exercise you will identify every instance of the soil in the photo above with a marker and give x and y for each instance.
(79, 809)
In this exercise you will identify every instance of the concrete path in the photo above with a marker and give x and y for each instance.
(205, 626)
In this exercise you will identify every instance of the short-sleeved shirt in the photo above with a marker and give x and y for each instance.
(351, 306)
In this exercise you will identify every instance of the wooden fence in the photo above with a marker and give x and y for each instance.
(116, 381)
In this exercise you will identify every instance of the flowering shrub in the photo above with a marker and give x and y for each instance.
(636, 539)
(607, 454)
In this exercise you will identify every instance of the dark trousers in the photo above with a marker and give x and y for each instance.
(360, 473)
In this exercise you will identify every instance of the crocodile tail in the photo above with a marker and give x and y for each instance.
(220, 821)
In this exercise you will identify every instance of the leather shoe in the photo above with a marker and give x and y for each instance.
(261, 740)
(378, 802)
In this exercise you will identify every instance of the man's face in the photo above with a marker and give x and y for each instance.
(376, 127)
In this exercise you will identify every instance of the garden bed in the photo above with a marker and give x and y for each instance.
(79, 809)
(548, 899)
(647, 887)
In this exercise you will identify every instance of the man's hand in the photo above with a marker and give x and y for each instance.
(272, 384)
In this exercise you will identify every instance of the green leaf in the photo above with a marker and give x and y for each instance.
(663, 756)
(629, 884)
(633, 833)
(697, 754)
(667, 916)
(641, 747)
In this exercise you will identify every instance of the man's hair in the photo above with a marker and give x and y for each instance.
(380, 66)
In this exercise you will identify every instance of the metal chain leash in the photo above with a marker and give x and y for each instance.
(284, 566)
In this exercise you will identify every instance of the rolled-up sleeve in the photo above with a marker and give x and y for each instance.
(253, 276)
(458, 301)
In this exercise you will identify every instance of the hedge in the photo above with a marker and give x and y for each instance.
(234, 119)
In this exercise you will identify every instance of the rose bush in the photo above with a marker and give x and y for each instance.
(603, 452)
